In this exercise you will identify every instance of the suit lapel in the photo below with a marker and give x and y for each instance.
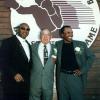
(76, 55)
(36, 50)
(60, 51)
(19, 45)
(74, 44)
(30, 50)
(51, 50)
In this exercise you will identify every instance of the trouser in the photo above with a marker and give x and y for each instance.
(41, 94)
(70, 87)
(15, 92)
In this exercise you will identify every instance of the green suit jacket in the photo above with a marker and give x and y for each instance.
(41, 76)
(84, 57)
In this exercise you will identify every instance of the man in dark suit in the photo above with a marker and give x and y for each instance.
(16, 64)
(74, 60)
(42, 74)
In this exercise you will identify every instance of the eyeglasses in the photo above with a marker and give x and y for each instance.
(23, 28)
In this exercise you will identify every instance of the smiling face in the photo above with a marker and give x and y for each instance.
(24, 30)
(45, 36)
(67, 34)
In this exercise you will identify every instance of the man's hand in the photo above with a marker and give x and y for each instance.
(18, 78)
(77, 72)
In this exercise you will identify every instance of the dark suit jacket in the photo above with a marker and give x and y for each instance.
(13, 60)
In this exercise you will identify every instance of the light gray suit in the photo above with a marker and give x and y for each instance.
(42, 77)
(85, 59)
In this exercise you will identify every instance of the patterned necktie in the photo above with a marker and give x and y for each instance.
(45, 54)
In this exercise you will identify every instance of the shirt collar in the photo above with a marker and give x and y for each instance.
(48, 44)
(21, 39)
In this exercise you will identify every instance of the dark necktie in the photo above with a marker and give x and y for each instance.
(28, 44)
(45, 54)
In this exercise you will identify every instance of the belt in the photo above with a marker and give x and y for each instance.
(67, 72)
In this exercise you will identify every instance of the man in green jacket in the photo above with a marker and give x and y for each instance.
(74, 60)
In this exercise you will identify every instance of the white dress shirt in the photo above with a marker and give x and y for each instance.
(25, 46)
(41, 51)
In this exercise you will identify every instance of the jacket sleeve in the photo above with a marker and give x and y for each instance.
(90, 57)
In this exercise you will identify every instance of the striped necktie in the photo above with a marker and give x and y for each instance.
(45, 54)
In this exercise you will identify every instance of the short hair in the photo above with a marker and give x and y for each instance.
(41, 32)
(61, 31)
(17, 28)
